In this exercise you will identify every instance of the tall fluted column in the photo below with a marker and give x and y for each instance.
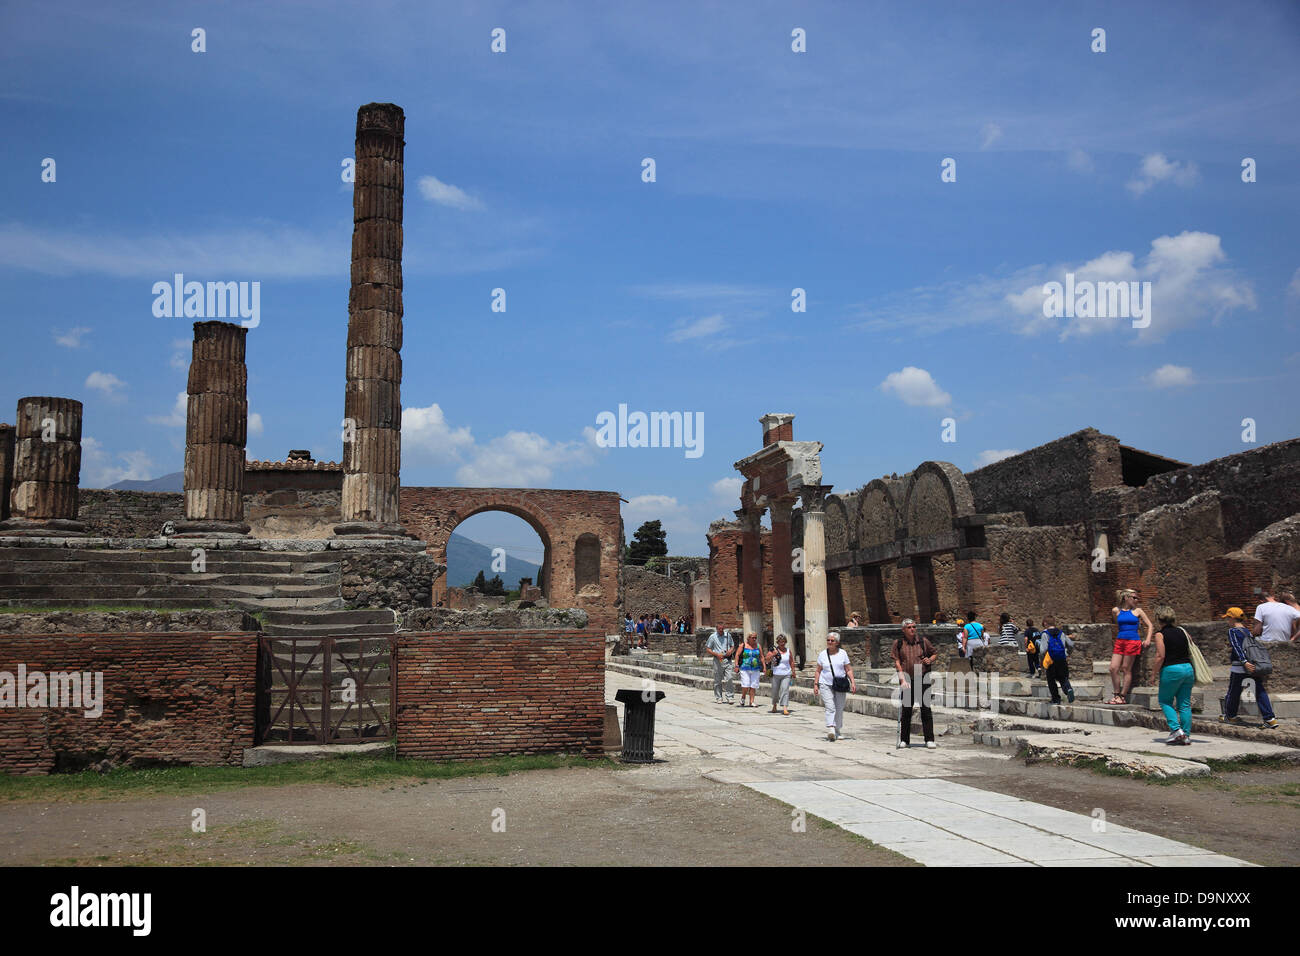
(815, 616)
(216, 432)
(372, 405)
(47, 468)
(782, 571)
(751, 571)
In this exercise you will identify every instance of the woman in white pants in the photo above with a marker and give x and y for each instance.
(833, 663)
(781, 675)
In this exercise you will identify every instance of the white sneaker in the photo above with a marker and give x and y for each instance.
(903, 746)
(1175, 737)
(830, 734)
(931, 745)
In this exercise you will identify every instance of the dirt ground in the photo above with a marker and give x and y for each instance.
(663, 814)
(576, 816)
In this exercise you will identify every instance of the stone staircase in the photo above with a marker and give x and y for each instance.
(251, 580)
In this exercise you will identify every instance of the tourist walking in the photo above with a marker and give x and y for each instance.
(629, 628)
(1280, 619)
(1239, 636)
(1177, 676)
(1128, 643)
(1057, 646)
(1032, 651)
(974, 642)
(749, 661)
(781, 660)
(719, 647)
(834, 681)
(913, 656)
(1007, 631)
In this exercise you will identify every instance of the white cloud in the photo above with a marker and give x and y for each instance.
(1079, 161)
(71, 339)
(523, 460)
(255, 426)
(915, 386)
(176, 417)
(445, 194)
(700, 328)
(426, 436)
(990, 455)
(727, 489)
(1157, 168)
(98, 471)
(989, 135)
(1170, 376)
(182, 351)
(105, 382)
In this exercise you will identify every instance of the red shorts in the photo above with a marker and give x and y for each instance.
(1127, 648)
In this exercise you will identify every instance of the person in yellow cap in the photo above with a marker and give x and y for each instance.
(1241, 637)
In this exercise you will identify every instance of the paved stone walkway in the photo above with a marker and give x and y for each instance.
(905, 800)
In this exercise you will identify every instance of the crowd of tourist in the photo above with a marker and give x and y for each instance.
(637, 632)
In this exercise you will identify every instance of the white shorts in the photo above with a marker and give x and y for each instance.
(749, 679)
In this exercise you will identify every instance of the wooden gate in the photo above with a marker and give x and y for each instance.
(325, 690)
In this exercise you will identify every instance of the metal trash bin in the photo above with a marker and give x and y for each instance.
(639, 724)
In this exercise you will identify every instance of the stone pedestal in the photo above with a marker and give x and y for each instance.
(46, 468)
(216, 432)
(372, 406)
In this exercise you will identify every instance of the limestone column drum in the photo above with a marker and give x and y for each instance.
(372, 404)
(815, 614)
(46, 468)
(216, 432)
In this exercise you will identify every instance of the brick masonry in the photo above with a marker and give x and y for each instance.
(474, 694)
(169, 699)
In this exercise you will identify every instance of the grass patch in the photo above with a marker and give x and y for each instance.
(348, 771)
(1251, 762)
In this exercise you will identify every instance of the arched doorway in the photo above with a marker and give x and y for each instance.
(502, 543)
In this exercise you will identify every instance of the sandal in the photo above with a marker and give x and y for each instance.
(1117, 700)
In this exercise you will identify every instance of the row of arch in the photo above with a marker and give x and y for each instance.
(924, 502)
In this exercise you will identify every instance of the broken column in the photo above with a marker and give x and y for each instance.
(216, 431)
(815, 613)
(46, 468)
(372, 406)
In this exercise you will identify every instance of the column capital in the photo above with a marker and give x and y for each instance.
(749, 519)
(814, 497)
(781, 509)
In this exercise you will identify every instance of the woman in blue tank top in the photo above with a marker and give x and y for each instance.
(1128, 643)
(749, 661)
(973, 642)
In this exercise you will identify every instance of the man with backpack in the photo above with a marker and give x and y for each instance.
(1058, 650)
(1032, 651)
(1249, 659)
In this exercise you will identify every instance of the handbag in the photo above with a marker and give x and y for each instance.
(838, 684)
(1199, 667)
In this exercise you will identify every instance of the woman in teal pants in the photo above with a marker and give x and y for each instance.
(1174, 664)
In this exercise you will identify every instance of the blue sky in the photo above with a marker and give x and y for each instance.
(775, 170)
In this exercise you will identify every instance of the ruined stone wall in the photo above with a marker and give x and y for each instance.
(473, 694)
(1037, 571)
(293, 513)
(126, 622)
(1052, 484)
(1259, 487)
(128, 514)
(645, 592)
(1169, 546)
(399, 579)
(183, 699)
(1278, 546)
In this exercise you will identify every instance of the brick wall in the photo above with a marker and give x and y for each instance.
(473, 694)
(172, 698)
(724, 576)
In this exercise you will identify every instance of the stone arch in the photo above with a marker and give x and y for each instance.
(586, 562)
(536, 521)
(838, 531)
(878, 519)
(938, 494)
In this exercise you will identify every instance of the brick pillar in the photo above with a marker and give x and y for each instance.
(216, 431)
(1237, 580)
(905, 589)
(782, 570)
(46, 469)
(751, 572)
(974, 573)
(372, 406)
(814, 569)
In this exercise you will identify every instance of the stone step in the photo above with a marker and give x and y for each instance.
(282, 603)
(96, 579)
(155, 604)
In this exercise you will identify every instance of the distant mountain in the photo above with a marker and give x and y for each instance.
(173, 482)
(466, 558)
